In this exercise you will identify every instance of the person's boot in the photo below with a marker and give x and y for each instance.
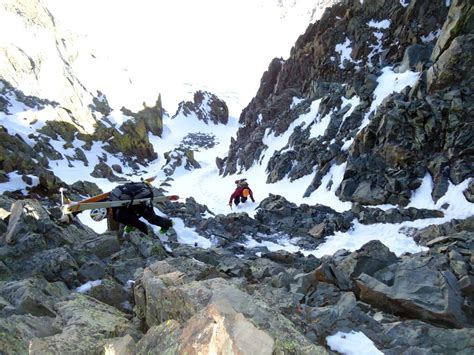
(128, 229)
(164, 230)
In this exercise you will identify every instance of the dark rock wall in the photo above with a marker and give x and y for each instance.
(425, 129)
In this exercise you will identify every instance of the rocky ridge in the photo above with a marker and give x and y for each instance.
(64, 288)
(67, 120)
(389, 150)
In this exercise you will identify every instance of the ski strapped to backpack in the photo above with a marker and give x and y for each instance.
(76, 207)
(126, 195)
(102, 196)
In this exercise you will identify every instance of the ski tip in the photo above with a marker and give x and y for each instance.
(173, 198)
(150, 179)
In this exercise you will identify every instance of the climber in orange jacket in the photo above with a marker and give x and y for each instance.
(242, 192)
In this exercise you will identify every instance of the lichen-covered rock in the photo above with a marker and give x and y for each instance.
(161, 294)
(17, 332)
(120, 346)
(132, 141)
(219, 328)
(454, 66)
(59, 130)
(152, 117)
(85, 324)
(34, 296)
(161, 338)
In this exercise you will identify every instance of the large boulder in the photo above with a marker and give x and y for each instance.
(26, 216)
(233, 331)
(342, 270)
(163, 294)
(34, 296)
(417, 287)
(17, 332)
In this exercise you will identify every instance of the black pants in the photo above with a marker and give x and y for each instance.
(130, 216)
(239, 199)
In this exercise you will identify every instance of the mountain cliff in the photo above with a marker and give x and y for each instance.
(374, 104)
(349, 72)
(52, 113)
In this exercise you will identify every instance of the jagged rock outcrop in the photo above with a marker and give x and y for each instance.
(338, 61)
(319, 221)
(34, 154)
(206, 106)
(26, 65)
(179, 157)
(151, 116)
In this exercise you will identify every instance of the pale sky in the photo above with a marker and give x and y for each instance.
(219, 45)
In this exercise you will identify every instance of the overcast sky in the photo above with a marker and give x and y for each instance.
(220, 45)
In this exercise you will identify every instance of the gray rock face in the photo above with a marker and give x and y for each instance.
(33, 296)
(25, 216)
(416, 56)
(31, 68)
(420, 287)
(447, 70)
(383, 166)
(207, 107)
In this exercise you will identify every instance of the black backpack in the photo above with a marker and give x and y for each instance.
(131, 191)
